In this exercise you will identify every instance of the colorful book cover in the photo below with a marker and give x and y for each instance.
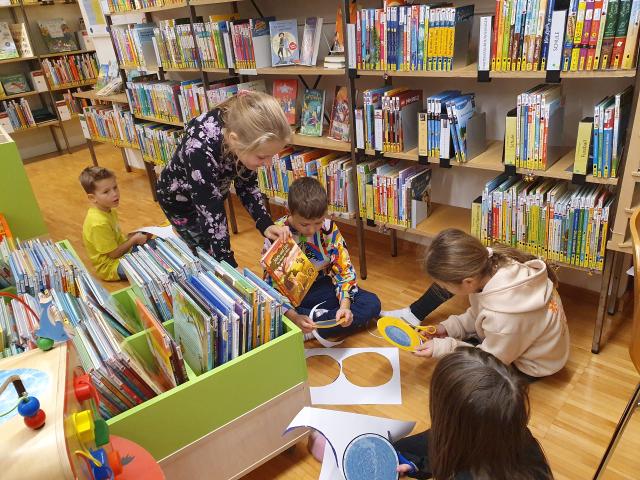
(308, 40)
(192, 326)
(340, 121)
(312, 113)
(290, 269)
(57, 36)
(15, 84)
(285, 49)
(286, 92)
(7, 45)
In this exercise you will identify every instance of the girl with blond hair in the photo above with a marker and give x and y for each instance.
(224, 145)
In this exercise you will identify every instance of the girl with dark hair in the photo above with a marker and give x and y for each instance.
(516, 313)
(479, 410)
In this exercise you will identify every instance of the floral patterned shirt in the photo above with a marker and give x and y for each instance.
(327, 250)
(198, 179)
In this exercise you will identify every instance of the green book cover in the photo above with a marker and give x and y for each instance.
(312, 113)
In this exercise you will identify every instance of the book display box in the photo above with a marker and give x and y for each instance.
(226, 421)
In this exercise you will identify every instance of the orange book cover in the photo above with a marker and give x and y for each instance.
(290, 269)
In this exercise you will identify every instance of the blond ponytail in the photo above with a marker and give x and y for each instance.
(256, 118)
(454, 255)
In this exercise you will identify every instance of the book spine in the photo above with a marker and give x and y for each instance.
(630, 48)
(609, 34)
(620, 39)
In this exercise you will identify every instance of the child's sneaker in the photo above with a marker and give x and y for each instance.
(404, 313)
(308, 336)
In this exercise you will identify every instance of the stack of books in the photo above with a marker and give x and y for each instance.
(219, 313)
(251, 42)
(596, 35)
(18, 326)
(157, 142)
(413, 37)
(135, 46)
(155, 99)
(21, 39)
(16, 115)
(193, 99)
(444, 125)
(70, 69)
(132, 5)
(545, 217)
(600, 145)
(174, 43)
(387, 120)
(6, 247)
(333, 171)
(111, 123)
(533, 130)
(212, 42)
(396, 193)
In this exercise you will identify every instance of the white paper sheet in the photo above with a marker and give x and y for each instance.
(340, 428)
(343, 392)
(161, 232)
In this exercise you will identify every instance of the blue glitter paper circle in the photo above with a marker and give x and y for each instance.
(397, 335)
(370, 457)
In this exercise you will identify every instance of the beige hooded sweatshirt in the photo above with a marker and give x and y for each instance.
(519, 318)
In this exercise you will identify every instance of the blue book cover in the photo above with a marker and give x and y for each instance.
(285, 49)
(464, 108)
(546, 35)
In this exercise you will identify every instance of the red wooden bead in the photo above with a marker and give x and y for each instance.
(36, 421)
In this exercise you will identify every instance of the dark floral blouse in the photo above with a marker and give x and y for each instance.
(194, 184)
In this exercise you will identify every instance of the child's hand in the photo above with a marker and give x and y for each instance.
(305, 323)
(403, 469)
(344, 317)
(275, 232)
(441, 332)
(425, 349)
(139, 238)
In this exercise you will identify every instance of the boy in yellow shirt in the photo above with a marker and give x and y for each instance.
(101, 233)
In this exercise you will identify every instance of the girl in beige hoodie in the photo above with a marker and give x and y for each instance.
(515, 309)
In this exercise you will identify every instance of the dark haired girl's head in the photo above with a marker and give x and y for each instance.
(479, 412)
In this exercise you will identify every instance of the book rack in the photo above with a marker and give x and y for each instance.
(47, 98)
(489, 159)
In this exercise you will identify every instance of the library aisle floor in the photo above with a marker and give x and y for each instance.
(573, 413)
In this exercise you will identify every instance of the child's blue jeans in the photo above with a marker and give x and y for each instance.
(364, 306)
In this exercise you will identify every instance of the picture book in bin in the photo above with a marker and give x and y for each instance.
(286, 92)
(57, 36)
(285, 49)
(312, 113)
(290, 269)
(340, 122)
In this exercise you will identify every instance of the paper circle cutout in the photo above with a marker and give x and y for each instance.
(322, 370)
(367, 369)
(399, 333)
(370, 457)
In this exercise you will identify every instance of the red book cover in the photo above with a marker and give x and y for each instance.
(286, 92)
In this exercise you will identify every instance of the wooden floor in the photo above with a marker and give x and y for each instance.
(573, 413)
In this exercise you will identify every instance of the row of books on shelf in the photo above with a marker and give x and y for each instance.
(181, 101)
(112, 122)
(131, 5)
(157, 142)
(70, 69)
(413, 37)
(14, 41)
(592, 34)
(18, 115)
(218, 314)
(545, 217)
(222, 41)
(333, 170)
(56, 36)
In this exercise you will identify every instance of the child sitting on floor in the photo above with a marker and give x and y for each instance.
(479, 412)
(516, 312)
(101, 233)
(321, 241)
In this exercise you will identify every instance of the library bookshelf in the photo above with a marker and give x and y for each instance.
(46, 98)
(491, 160)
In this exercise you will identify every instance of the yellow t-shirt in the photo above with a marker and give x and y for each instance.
(101, 234)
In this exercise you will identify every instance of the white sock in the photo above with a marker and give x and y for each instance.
(404, 313)
(308, 336)
(318, 313)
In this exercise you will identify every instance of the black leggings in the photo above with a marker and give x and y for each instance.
(429, 301)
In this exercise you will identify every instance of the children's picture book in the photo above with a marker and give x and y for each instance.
(192, 327)
(338, 39)
(290, 269)
(340, 121)
(21, 39)
(286, 92)
(311, 40)
(7, 45)
(15, 84)
(285, 49)
(312, 112)
(57, 36)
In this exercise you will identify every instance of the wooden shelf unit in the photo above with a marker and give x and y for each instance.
(32, 93)
(65, 54)
(171, 6)
(17, 59)
(174, 123)
(91, 95)
(320, 142)
(68, 86)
